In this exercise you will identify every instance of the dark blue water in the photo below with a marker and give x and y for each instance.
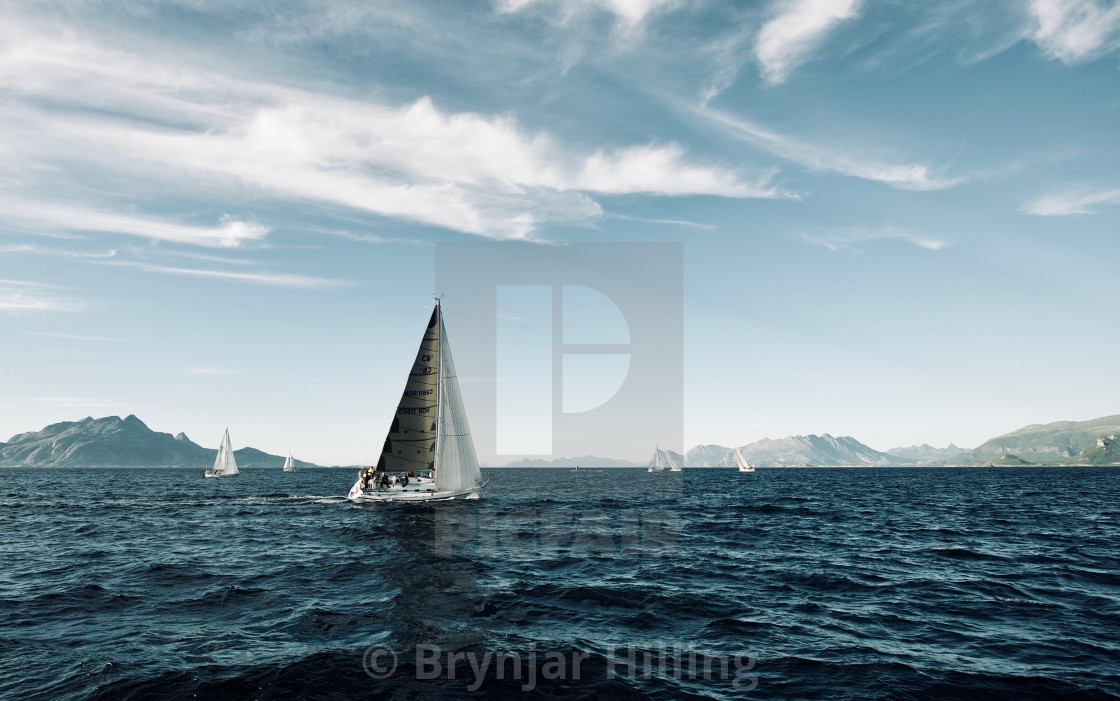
(830, 584)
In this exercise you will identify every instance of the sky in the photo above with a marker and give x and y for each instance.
(900, 221)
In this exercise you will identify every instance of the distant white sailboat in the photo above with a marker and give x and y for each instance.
(225, 465)
(657, 465)
(673, 466)
(744, 466)
(428, 453)
(289, 464)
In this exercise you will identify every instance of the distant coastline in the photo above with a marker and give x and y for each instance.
(113, 442)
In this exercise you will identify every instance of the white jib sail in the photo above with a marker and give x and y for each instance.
(456, 464)
(740, 461)
(288, 461)
(672, 463)
(225, 463)
(411, 443)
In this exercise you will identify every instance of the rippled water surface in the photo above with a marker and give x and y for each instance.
(830, 584)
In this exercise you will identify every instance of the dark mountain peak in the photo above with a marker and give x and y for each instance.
(115, 442)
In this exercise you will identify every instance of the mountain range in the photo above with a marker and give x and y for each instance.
(1047, 444)
(116, 442)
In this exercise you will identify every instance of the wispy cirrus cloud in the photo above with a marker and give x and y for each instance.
(31, 302)
(18, 296)
(75, 337)
(270, 279)
(76, 402)
(629, 13)
(213, 134)
(799, 27)
(851, 237)
(667, 222)
(1075, 30)
(372, 238)
(1078, 201)
(35, 215)
(55, 251)
(905, 176)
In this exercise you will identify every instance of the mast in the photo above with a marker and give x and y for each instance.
(439, 379)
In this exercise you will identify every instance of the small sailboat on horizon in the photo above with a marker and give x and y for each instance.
(428, 453)
(289, 463)
(225, 465)
(673, 466)
(742, 463)
(658, 465)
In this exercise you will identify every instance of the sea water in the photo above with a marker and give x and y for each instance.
(784, 583)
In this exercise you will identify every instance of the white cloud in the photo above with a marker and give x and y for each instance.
(729, 55)
(788, 40)
(372, 238)
(35, 215)
(257, 278)
(28, 302)
(1071, 202)
(661, 170)
(668, 222)
(630, 13)
(1075, 30)
(74, 337)
(48, 251)
(905, 176)
(849, 238)
(25, 297)
(76, 402)
(211, 135)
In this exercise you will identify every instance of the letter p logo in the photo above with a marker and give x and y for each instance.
(584, 342)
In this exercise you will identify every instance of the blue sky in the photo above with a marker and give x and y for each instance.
(900, 220)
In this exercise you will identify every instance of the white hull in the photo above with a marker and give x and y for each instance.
(418, 489)
(291, 469)
(746, 469)
(674, 469)
(220, 474)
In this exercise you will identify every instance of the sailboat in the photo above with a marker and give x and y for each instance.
(289, 464)
(225, 465)
(673, 466)
(657, 465)
(744, 466)
(428, 453)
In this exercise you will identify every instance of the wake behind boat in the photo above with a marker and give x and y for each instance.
(225, 465)
(428, 454)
